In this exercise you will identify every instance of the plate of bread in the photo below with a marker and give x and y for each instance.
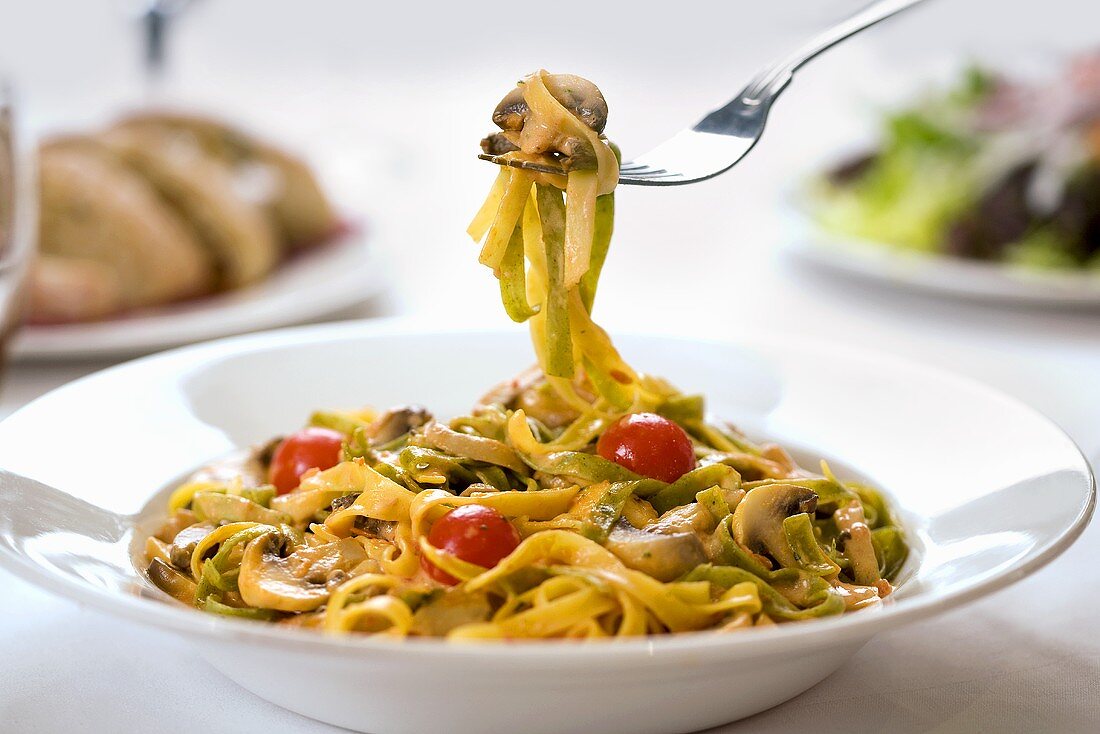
(166, 228)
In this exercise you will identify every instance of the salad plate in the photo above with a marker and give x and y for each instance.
(984, 188)
(988, 491)
(934, 274)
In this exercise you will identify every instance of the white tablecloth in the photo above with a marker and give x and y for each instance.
(1026, 659)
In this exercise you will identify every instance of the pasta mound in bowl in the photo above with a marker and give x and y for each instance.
(591, 548)
(581, 499)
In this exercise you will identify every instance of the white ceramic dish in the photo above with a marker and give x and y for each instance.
(937, 274)
(990, 492)
(318, 283)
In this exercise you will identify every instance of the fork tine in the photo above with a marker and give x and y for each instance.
(502, 161)
(637, 172)
(721, 139)
(629, 170)
(662, 174)
(687, 157)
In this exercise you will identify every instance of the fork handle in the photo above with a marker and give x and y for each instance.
(773, 79)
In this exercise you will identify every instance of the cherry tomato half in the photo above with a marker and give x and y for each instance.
(649, 445)
(474, 533)
(309, 448)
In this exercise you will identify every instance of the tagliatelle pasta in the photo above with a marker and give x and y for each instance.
(580, 500)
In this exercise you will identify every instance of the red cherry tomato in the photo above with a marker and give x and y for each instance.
(647, 444)
(474, 533)
(309, 448)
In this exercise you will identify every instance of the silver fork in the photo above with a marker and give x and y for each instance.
(722, 138)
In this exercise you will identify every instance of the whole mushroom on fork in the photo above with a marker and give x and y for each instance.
(523, 132)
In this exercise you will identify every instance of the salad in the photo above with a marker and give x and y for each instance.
(990, 169)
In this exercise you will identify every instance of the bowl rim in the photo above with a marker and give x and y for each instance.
(704, 644)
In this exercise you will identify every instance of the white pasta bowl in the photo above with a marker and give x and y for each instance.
(989, 491)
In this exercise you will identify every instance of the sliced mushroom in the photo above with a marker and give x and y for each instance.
(372, 527)
(171, 582)
(183, 545)
(328, 563)
(511, 111)
(758, 518)
(694, 518)
(497, 144)
(529, 390)
(663, 555)
(343, 502)
(576, 94)
(504, 393)
(574, 154)
(299, 582)
(396, 422)
(543, 403)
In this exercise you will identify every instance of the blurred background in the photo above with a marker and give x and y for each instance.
(386, 103)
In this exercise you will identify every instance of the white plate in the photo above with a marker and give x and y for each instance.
(938, 274)
(990, 492)
(317, 283)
